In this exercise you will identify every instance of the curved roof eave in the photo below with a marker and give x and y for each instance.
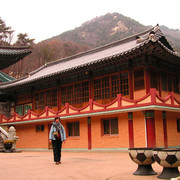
(174, 53)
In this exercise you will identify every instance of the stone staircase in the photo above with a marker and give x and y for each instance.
(3, 135)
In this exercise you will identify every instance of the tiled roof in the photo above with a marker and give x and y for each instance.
(5, 78)
(9, 51)
(11, 55)
(88, 58)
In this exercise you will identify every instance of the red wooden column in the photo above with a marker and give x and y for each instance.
(150, 129)
(165, 129)
(89, 133)
(130, 127)
(90, 76)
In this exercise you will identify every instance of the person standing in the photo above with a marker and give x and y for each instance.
(57, 136)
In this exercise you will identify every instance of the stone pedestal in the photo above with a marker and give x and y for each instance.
(144, 158)
(8, 147)
(12, 136)
(169, 159)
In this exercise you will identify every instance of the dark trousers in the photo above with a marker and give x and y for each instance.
(57, 144)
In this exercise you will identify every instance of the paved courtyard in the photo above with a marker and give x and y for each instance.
(75, 166)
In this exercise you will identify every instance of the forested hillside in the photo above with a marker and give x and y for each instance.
(112, 27)
(103, 30)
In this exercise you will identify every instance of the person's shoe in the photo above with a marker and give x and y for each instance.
(57, 163)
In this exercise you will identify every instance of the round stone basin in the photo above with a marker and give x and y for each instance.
(144, 158)
(169, 159)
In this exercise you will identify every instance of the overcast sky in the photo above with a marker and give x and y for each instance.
(42, 19)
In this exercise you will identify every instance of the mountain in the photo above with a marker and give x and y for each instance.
(173, 36)
(103, 30)
(112, 27)
(96, 32)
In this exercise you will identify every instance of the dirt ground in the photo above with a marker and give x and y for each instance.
(75, 166)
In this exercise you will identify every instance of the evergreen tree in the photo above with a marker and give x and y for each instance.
(6, 34)
(24, 40)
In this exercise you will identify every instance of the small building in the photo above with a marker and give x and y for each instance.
(9, 56)
(124, 94)
(4, 98)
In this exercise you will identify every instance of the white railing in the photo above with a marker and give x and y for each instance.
(3, 133)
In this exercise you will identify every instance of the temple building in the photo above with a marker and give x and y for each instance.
(9, 56)
(124, 94)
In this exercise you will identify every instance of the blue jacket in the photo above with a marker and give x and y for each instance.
(62, 133)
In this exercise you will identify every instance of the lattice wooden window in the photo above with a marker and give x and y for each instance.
(139, 79)
(23, 109)
(163, 81)
(97, 89)
(19, 110)
(46, 98)
(85, 91)
(54, 98)
(109, 87)
(115, 85)
(169, 82)
(39, 128)
(154, 79)
(63, 95)
(70, 94)
(124, 83)
(23, 99)
(75, 94)
(67, 94)
(73, 129)
(175, 84)
(101, 88)
(27, 107)
(110, 126)
(39, 100)
(81, 92)
(105, 88)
